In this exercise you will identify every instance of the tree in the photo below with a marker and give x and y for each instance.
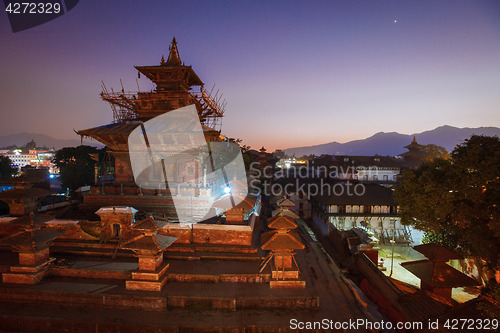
(435, 152)
(458, 198)
(76, 166)
(6, 170)
(245, 152)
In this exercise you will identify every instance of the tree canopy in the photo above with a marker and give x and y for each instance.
(6, 170)
(434, 152)
(76, 166)
(458, 198)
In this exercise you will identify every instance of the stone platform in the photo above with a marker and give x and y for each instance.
(201, 295)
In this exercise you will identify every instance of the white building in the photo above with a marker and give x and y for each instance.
(375, 210)
(35, 157)
(369, 168)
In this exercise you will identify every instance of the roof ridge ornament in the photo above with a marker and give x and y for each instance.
(174, 59)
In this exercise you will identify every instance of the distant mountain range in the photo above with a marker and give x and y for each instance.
(41, 140)
(392, 143)
(385, 144)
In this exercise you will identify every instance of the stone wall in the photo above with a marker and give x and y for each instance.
(222, 234)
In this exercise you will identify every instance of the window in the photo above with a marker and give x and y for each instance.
(116, 230)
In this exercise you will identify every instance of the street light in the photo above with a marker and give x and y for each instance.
(392, 243)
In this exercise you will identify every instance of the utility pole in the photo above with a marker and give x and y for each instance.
(392, 243)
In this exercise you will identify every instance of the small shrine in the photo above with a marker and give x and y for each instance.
(282, 242)
(148, 247)
(435, 274)
(284, 208)
(32, 244)
(115, 222)
(235, 206)
(23, 198)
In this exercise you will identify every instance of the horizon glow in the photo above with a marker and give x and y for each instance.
(301, 74)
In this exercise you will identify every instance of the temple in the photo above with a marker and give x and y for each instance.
(415, 153)
(147, 246)
(176, 86)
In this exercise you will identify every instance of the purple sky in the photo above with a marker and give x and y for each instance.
(294, 73)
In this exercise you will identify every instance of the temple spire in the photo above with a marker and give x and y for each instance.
(173, 57)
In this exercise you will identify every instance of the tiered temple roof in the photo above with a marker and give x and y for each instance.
(31, 237)
(149, 241)
(281, 222)
(228, 202)
(276, 241)
(414, 152)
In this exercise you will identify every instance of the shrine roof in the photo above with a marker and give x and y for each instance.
(421, 304)
(285, 212)
(418, 153)
(173, 63)
(414, 145)
(154, 243)
(31, 220)
(115, 128)
(31, 240)
(226, 202)
(272, 240)
(19, 193)
(14, 180)
(285, 202)
(117, 210)
(186, 72)
(438, 274)
(149, 224)
(281, 222)
(124, 128)
(436, 251)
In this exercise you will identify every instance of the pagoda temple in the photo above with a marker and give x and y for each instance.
(176, 86)
(282, 243)
(415, 152)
